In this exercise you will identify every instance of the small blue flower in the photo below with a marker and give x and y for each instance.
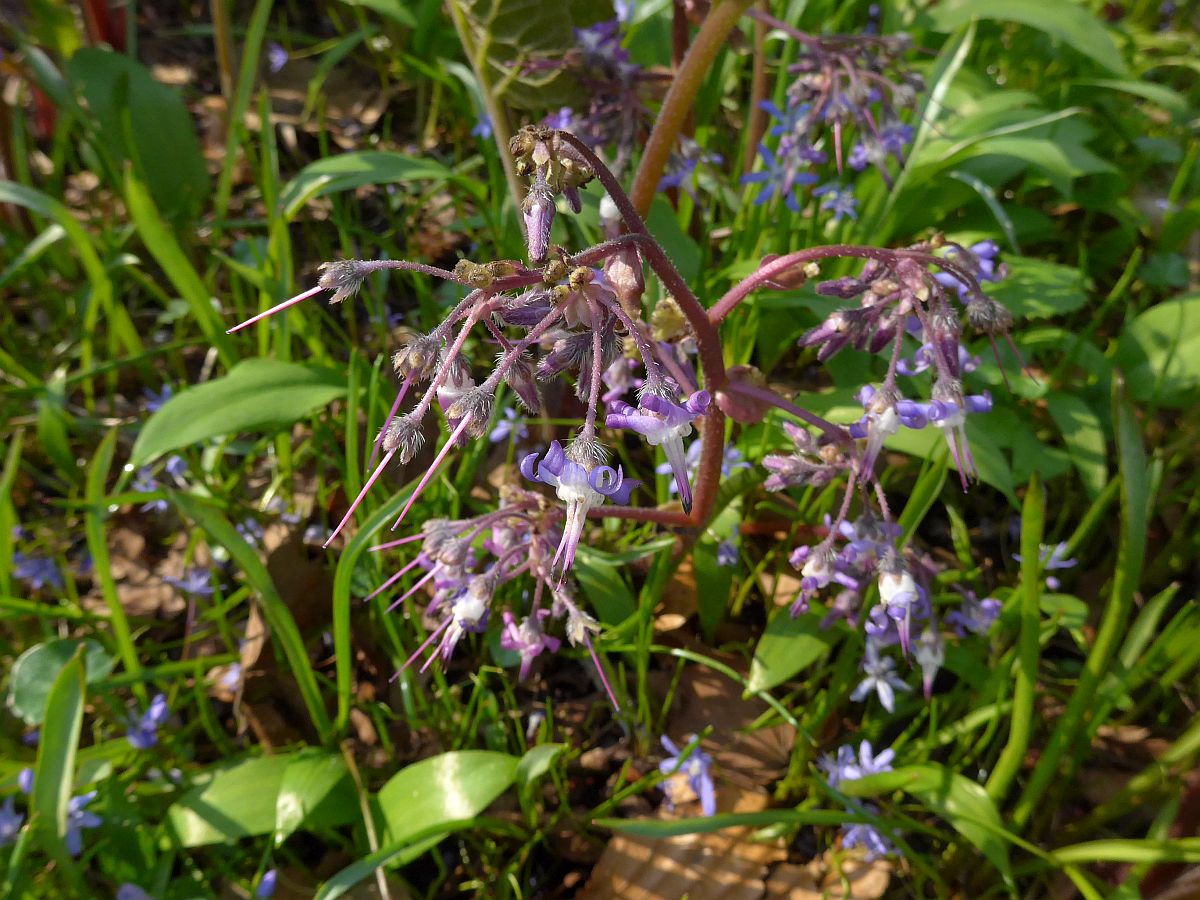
(130, 891)
(881, 678)
(727, 553)
(780, 176)
(266, 887)
(144, 482)
(277, 57)
(975, 615)
(483, 128)
(176, 466)
(143, 732)
(194, 581)
(155, 402)
(10, 822)
(698, 769)
(838, 200)
(510, 426)
(25, 780)
(36, 571)
(861, 834)
(79, 818)
(1051, 558)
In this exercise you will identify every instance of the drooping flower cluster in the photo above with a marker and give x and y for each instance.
(841, 86)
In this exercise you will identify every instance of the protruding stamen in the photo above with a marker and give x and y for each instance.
(387, 584)
(387, 458)
(429, 473)
(412, 590)
(277, 308)
(390, 544)
(429, 640)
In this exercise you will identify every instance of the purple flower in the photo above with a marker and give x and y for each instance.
(277, 57)
(780, 176)
(563, 120)
(925, 358)
(976, 615)
(483, 128)
(527, 639)
(25, 780)
(155, 402)
(727, 551)
(681, 168)
(143, 732)
(130, 891)
(1051, 557)
(79, 818)
(619, 378)
(980, 259)
(861, 834)
(144, 482)
(10, 822)
(881, 678)
(251, 531)
(847, 767)
(266, 887)
(176, 466)
(36, 571)
(838, 200)
(509, 426)
(698, 769)
(662, 422)
(194, 581)
(579, 486)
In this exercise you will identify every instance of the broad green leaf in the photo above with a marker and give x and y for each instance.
(347, 171)
(1170, 100)
(240, 799)
(714, 580)
(1084, 435)
(256, 394)
(502, 35)
(600, 579)
(957, 799)
(36, 669)
(787, 647)
(1068, 22)
(1159, 352)
(536, 762)
(166, 149)
(679, 246)
(1037, 289)
(54, 773)
(444, 788)
(310, 778)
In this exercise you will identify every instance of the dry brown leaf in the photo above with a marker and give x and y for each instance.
(853, 879)
(747, 758)
(721, 865)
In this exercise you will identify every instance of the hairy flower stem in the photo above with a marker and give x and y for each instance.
(597, 373)
(778, 267)
(677, 105)
(708, 342)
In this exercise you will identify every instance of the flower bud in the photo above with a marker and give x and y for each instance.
(538, 212)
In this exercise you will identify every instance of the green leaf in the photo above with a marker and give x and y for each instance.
(347, 171)
(54, 773)
(502, 35)
(1170, 100)
(600, 579)
(166, 149)
(256, 394)
(241, 799)
(444, 788)
(310, 778)
(958, 800)
(1084, 435)
(1159, 352)
(395, 10)
(36, 669)
(787, 647)
(678, 245)
(536, 762)
(714, 580)
(1070, 23)
(1037, 289)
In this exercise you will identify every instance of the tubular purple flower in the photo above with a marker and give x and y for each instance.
(527, 639)
(663, 423)
(580, 488)
(538, 211)
(929, 653)
(897, 596)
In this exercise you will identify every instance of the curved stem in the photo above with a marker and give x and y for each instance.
(680, 97)
(768, 396)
